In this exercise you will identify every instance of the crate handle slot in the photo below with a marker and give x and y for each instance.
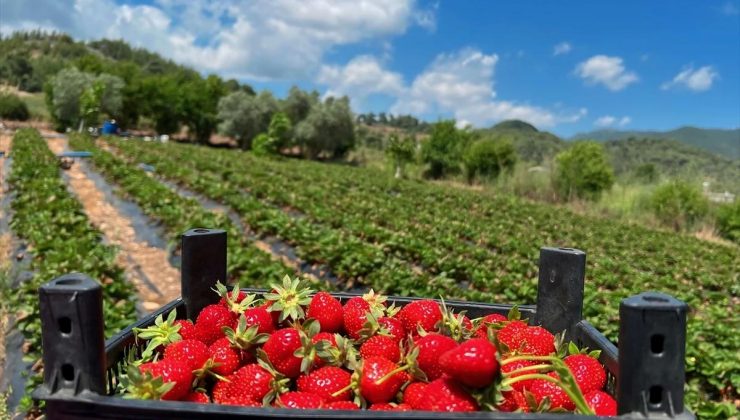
(203, 264)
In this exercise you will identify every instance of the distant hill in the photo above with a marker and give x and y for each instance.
(722, 142)
(531, 144)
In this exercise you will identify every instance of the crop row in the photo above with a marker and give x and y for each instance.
(446, 223)
(62, 240)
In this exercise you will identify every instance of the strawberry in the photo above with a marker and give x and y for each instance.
(175, 374)
(513, 401)
(486, 322)
(354, 314)
(296, 399)
(331, 338)
(288, 299)
(542, 389)
(390, 407)
(280, 349)
(210, 322)
(380, 379)
(327, 310)
(393, 326)
(341, 405)
(325, 382)
(337, 351)
(588, 372)
(221, 390)
(260, 317)
(444, 394)
(251, 382)
(602, 403)
(383, 346)
(431, 347)
(331, 342)
(187, 329)
(245, 338)
(424, 314)
(235, 301)
(510, 367)
(227, 358)
(537, 341)
(197, 397)
(193, 352)
(509, 335)
(274, 314)
(472, 363)
(414, 394)
(159, 335)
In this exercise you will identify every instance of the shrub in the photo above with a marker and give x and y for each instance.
(583, 170)
(444, 148)
(400, 152)
(264, 145)
(678, 204)
(728, 221)
(13, 108)
(488, 158)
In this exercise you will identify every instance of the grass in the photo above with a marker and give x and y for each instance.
(36, 106)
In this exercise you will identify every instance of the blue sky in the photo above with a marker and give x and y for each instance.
(565, 66)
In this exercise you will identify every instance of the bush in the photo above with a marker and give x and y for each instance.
(444, 148)
(583, 170)
(488, 158)
(678, 204)
(264, 145)
(13, 108)
(728, 221)
(400, 152)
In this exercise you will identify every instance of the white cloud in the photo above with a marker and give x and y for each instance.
(729, 9)
(562, 48)
(361, 77)
(260, 39)
(609, 121)
(608, 71)
(697, 80)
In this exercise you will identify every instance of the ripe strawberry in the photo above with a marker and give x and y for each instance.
(235, 300)
(390, 407)
(414, 394)
(602, 403)
(220, 390)
(324, 336)
(250, 383)
(260, 317)
(431, 347)
(354, 315)
(328, 311)
(326, 381)
(288, 299)
(210, 322)
(378, 382)
(393, 326)
(275, 315)
(485, 324)
(295, 399)
(513, 401)
(227, 358)
(197, 397)
(341, 405)
(509, 335)
(444, 394)
(176, 372)
(510, 367)
(187, 329)
(542, 389)
(588, 372)
(472, 363)
(537, 341)
(244, 339)
(280, 349)
(424, 314)
(329, 338)
(383, 346)
(193, 352)
(162, 333)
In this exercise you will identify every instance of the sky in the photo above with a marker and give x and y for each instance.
(566, 67)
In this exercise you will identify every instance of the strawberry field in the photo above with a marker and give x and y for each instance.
(370, 231)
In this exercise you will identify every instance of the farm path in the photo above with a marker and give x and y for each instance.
(148, 267)
(5, 247)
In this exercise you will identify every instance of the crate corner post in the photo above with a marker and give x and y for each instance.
(560, 289)
(203, 264)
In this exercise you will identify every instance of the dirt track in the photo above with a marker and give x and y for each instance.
(147, 267)
(5, 140)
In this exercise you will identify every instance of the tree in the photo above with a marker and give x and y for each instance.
(443, 150)
(199, 106)
(90, 104)
(66, 89)
(328, 128)
(298, 104)
(244, 116)
(280, 130)
(488, 158)
(583, 170)
(13, 108)
(678, 204)
(400, 152)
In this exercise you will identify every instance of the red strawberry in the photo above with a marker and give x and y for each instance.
(328, 311)
(509, 335)
(589, 373)
(328, 337)
(227, 358)
(275, 315)
(280, 349)
(250, 383)
(602, 403)
(187, 329)
(390, 407)
(444, 394)
(431, 347)
(294, 399)
(383, 346)
(210, 322)
(354, 315)
(472, 363)
(260, 317)
(193, 352)
(378, 382)
(393, 326)
(486, 321)
(341, 405)
(537, 341)
(172, 371)
(420, 313)
(221, 390)
(288, 299)
(326, 381)
(510, 367)
(542, 389)
(414, 394)
(197, 397)
(513, 401)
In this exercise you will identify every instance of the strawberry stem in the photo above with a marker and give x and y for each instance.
(569, 386)
(526, 369)
(391, 373)
(341, 391)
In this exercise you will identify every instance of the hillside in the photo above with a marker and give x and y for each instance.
(531, 144)
(722, 142)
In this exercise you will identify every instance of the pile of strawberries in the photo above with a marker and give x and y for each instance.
(294, 349)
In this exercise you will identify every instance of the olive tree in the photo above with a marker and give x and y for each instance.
(244, 116)
(583, 170)
(327, 129)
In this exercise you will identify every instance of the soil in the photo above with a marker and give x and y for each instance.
(5, 249)
(146, 266)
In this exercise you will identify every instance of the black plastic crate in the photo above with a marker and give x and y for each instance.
(81, 370)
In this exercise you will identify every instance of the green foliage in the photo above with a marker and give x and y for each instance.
(76, 96)
(13, 108)
(327, 130)
(444, 149)
(298, 104)
(728, 221)
(646, 173)
(678, 204)
(400, 152)
(583, 170)
(264, 145)
(280, 130)
(244, 116)
(487, 158)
